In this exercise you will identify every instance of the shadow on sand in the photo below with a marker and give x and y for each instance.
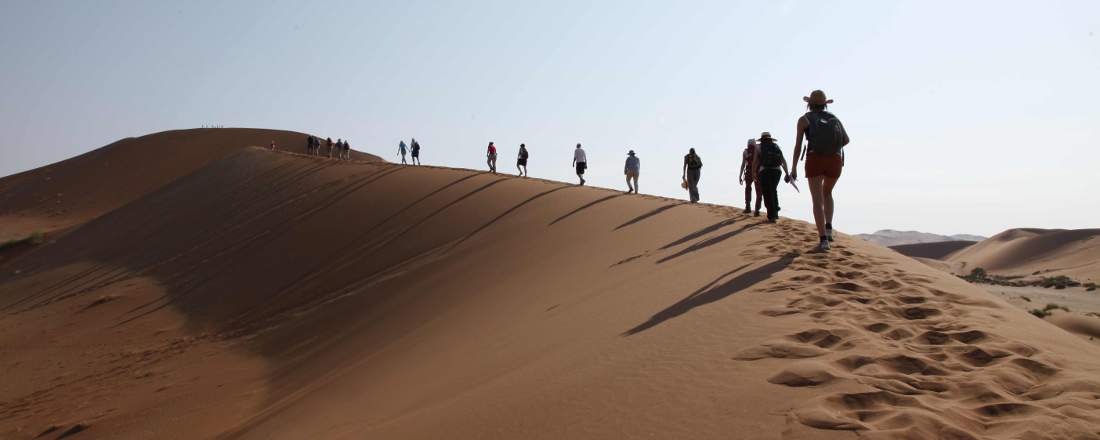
(714, 291)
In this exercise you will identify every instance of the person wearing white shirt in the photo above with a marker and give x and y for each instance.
(580, 161)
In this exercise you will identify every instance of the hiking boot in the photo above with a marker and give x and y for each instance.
(747, 210)
(757, 214)
(829, 234)
(823, 246)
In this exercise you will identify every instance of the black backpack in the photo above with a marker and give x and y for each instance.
(770, 155)
(523, 153)
(694, 162)
(824, 133)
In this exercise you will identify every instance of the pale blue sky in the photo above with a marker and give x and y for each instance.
(965, 117)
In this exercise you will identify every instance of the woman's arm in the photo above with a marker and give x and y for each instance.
(800, 130)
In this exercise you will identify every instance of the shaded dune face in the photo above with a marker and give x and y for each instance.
(364, 299)
(1047, 252)
(75, 190)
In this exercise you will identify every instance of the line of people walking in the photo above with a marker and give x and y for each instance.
(341, 149)
(763, 166)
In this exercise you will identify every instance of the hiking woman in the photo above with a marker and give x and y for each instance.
(826, 139)
(693, 169)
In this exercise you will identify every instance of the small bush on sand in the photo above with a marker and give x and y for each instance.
(977, 275)
(1058, 282)
(1048, 310)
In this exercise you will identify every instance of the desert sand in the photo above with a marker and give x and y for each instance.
(249, 294)
(1035, 252)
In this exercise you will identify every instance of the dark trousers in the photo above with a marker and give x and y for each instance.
(748, 194)
(693, 176)
(769, 183)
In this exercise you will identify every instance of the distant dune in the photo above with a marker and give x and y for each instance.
(1029, 252)
(936, 250)
(890, 237)
(252, 294)
(86, 186)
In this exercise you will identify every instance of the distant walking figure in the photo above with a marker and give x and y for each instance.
(347, 151)
(309, 145)
(402, 149)
(580, 161)
(521, 160)
(767, 162)
(826, 139)
(272, 145)
(693, 171)
(491, 157)
(329, 142)
(415, 149)
(631, 169)
(748, 176)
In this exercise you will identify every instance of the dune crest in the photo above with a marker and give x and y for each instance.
(372, 300)
(1029, 252)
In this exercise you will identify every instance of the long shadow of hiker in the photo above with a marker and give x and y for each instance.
(714, 291)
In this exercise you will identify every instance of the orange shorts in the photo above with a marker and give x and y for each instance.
(828, 165)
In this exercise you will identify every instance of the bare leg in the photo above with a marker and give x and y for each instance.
(827, 191)
(816, 187)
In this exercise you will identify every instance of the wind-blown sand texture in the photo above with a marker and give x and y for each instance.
(273, 295)
(1071, 252)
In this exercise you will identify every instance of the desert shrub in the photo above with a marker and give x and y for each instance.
(1058, 282)
(977, 275)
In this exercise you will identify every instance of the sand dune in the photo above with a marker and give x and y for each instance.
(890, 237)
(935, 251)
(1046, 252)
(76, 190)
(270, 295)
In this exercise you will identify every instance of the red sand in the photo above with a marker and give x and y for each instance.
(263, 295)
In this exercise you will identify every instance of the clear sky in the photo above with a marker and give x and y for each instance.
(965, 116)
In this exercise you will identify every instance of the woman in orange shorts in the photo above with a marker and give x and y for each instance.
(826, 139)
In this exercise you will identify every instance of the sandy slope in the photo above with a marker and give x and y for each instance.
(279, 296)
(1075, 253)
(935, 251)
(70, 192)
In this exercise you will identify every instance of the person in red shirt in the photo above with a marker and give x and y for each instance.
(747, 177)
(491, 155)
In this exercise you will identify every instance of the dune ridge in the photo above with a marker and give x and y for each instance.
(1030, 252)
(75, 190)
(270, 295)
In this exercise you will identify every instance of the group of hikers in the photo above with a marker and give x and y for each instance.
(763, 165)
(341, 149)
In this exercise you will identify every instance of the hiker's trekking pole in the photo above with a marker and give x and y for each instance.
(795, 185)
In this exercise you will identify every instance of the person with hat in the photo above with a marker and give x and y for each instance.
(767, 163)
(632, 168)
(521, 160)
(693, 169)
(826, 138)
(747, 177)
